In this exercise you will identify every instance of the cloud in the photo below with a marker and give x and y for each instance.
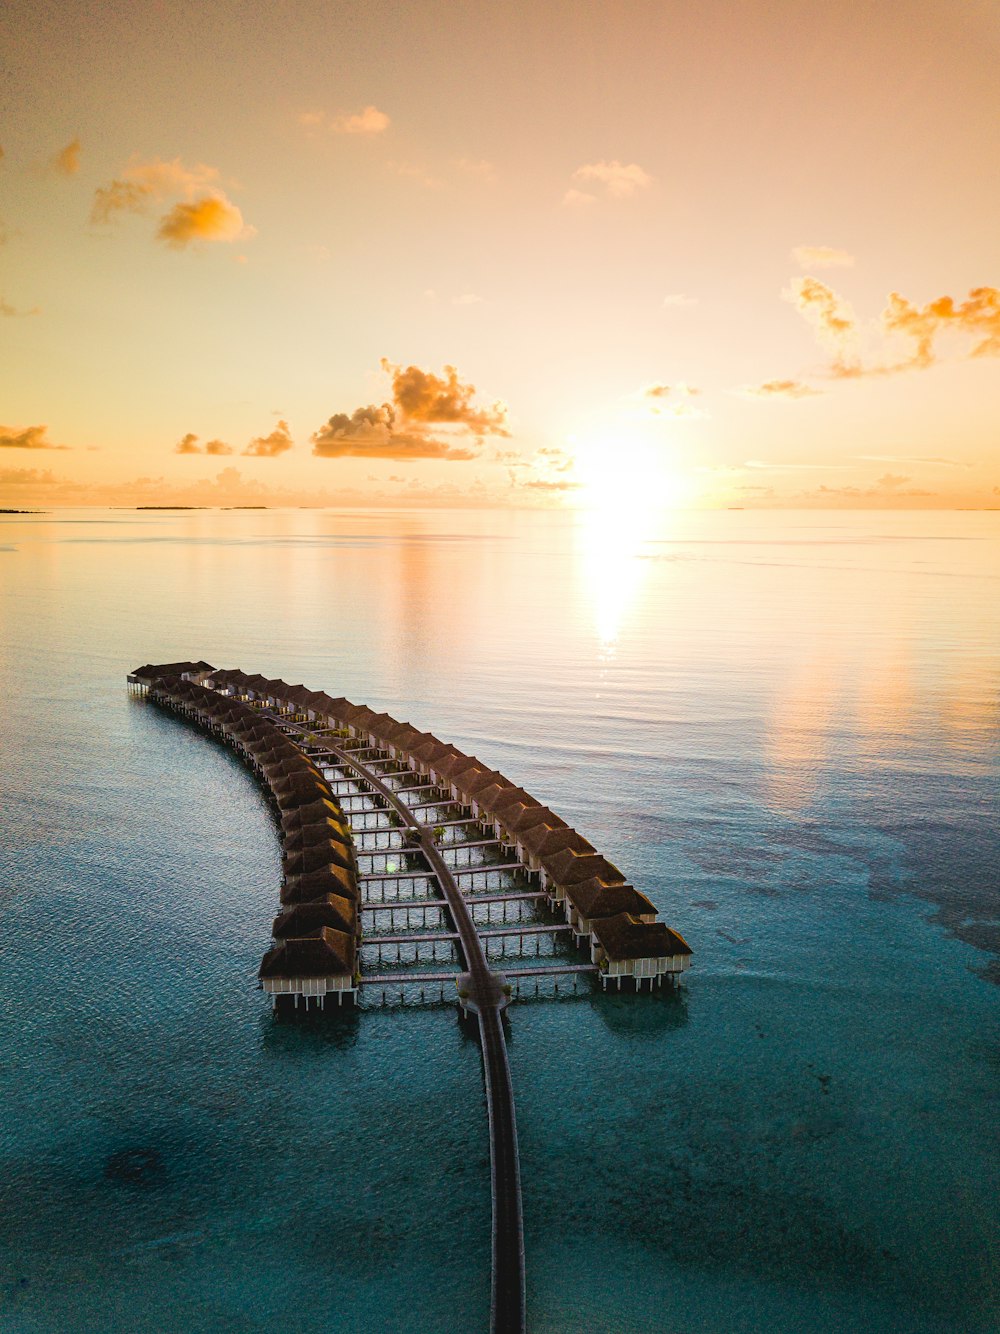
(188, 444)
(478, 167)
(832, 318)
(211, 218)
(619, 180)
(9, 312)
(677, 300)
(26, 477)
(822, 257)
(467, 299)
(202, 211)
(578, 199)
(911, 459)
(672, 400)
(552, 484)
(410, 426)
(887, 488)
(67, 161)
(142, 183)
(422, 396)
(26, 437)
(369, 120)
(977, 317)
(787, 389)
(269, 446)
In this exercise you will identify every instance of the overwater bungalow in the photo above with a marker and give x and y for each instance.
(592, 899)
(539, 842)
(332, 910)
(562, 869)
(320, 849)
(185, 671)
(328, 879)
(318, 964)
(325, 808)
(624, 946)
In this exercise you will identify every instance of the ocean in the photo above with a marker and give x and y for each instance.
(782, 726)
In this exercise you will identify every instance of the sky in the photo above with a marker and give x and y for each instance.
(533, 254)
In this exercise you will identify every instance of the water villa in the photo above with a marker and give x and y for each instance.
(381, 825)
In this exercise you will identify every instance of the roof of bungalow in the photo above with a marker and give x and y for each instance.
(405, 737)
(479, 783)
(294, 694)
(570, 868)
(256, 683)
(524, 816)
(152, 671)
(321, 953)
(301, 790)
(329, 826)
(307, 885)
(593, 898)
(333, 706)
(625, 937)
(306, 851)
(542, 840)
(433, 753)
(330, 910)
(320, 809)
(500, 796)
(363, 717)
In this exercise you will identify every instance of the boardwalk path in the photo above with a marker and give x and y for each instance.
(487, 997)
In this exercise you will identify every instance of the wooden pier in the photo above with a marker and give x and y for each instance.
(343, 781)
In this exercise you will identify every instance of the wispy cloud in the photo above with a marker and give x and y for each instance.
(976, 319)
(913, 460)
(26, 477)
(672, 400)
(203, 211)
(9, 312)
(822, 257)
(67, 161)
(618, 180)
(781, 389)
(678, 300)
(368, 121)
(279, 441)
(26, 437)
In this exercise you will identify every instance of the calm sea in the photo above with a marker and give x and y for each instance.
(782, 726)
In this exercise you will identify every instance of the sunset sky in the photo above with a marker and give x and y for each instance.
(527, 254)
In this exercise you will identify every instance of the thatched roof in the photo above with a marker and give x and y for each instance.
(302, 790)
(330, 910)
(567, 868)
(323, 809)
(470, 785)
(316, 857)
(521, 817)
(593, 898)
(154, 671)
(322, 953)
(543, 841)
(624, 937)
(497, 797)
(308, 885)
(306, 850)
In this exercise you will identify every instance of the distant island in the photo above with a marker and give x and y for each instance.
(173, 507)
(3, 511)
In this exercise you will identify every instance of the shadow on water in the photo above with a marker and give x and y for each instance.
(287, 1030)
(642, 1014)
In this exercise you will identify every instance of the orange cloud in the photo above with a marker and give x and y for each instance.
(619, 180)
(269, 446)
(188, 444)
(673, 400)
(410, 426)
(788, 389)
(144, 182)
(978, 316)
(67, 161)
(26, 437)
(822, 257)
(26, 477)
(9, 312)
(210, 218)
(832, 319)
(422, 396)
(369, 120)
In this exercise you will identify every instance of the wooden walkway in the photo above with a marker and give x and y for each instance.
(486, 998)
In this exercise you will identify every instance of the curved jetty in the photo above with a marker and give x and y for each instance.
(381, 822)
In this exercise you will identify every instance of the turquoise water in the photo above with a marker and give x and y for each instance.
(784, 727)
